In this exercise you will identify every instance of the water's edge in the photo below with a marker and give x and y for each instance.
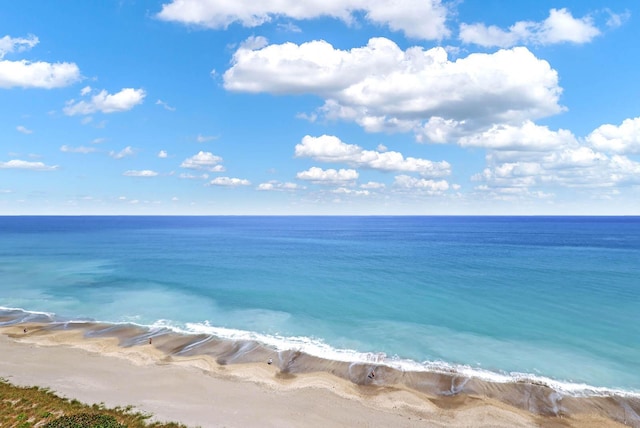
(535, 397)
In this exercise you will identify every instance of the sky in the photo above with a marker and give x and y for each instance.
(331, 107)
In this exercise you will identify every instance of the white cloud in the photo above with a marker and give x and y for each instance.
(439, 130)
(98, 140)
(79, 149)
(23, 130)
(616, 20)
(104, 102)
(203, 161)
(617, 139)
(85, 91)
(204, 138)
(289, 27)
(267, 186)
(431, 187)
(383, 88)
(328, 148)
(275, 185)
(229, 182)
(580, 167)
(254, 43)
(27, 74)
(328, 176)
(512, 194)
(127, 151)
(525, 137)
(424, 19)
(372, 185)
(165, 105)
(33, 166)
(559, 27)
(515, 174)
(10, 44)
(579, 157)
(188, 176)
(162, 154)
(347, 191)
(143, 173)
(309, 117)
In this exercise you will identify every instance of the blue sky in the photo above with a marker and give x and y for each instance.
(320, 107)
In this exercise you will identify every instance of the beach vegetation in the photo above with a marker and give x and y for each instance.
(34, 407)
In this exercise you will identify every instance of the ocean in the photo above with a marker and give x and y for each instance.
(547, 300)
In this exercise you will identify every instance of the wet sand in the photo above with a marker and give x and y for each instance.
(207, 382)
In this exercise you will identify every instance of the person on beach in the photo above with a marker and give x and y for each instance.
(372, 374)
(270, 361)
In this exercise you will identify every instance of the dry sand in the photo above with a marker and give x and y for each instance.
(199, 392)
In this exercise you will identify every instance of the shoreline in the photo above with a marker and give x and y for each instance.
(204, 381)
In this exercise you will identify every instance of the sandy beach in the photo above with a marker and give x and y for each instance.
(198, 391)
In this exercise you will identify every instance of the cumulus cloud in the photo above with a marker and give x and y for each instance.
(579, 167)
(127, 151)
(229, 182)
(27, 74)
(328, 176)
(203, 161)
(347, 191)
(529, 160)
(525, 137)
(79, 149)
(624, 138)
(383, 88)
(424, 19)
(21, 164)
(432, 187)
(372, 185)
(328, 148)
(10, 44)
(23, 130)
(559, 27)
(142, 173)
(275, 185)
(104, 102)
(162, 154)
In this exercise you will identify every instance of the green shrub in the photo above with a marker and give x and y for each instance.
(85, 420)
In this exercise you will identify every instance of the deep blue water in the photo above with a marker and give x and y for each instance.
(552, 297)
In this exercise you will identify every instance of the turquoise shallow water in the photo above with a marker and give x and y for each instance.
(554, 298)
